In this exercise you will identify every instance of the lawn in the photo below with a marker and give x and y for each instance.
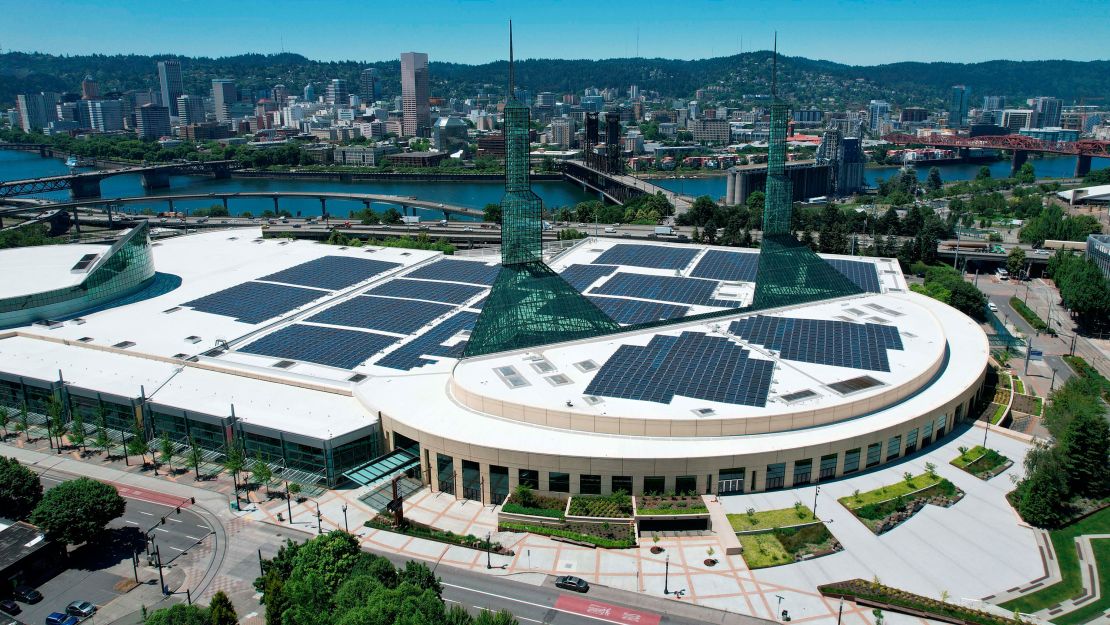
(604, 535)
(769, 519)
(1019, 386)
(678, 504)
(979, 461)
(890, 491)
(998, 414)
(1028, 314)
(1063, 542)
(535, 505)
(763, 550)
(617, 505)
(1089, 612)
(782, 546)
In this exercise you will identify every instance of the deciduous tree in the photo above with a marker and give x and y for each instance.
(76, 511)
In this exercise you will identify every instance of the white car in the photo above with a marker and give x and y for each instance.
(992, 307)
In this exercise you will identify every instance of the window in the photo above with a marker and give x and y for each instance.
(590, 485)
(445, 470)
(686, 485)
(558, 482)
(828, 466)
(894, 447)
(802, 471)
(874, 454)
(655, 485)
(529, 478)
(498, 484)
(622, 482)
(776, 473)
(941, 421)
(927, 434)
(911, 441)
(472, 480)
(731, 480)
(851, 460)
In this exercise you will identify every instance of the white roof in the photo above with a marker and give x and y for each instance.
(85, 367)
(30, 270)
(1098, 192)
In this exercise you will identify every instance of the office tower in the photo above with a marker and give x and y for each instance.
(913, 114)
(957, 106)
(878, 111)
(545, 100)
(414, 93)
(36, 110)
(562, 132)
(994, 102)
(281, 94)
(369, 85)
(169, 80)
(693, 109)
(633, 93)
(152, 121)
(1047, 111)
(337, 92)
(190, 110)
(309, 93)
(89, 89)
(104, 115)
(224, 95)
(1016, 119)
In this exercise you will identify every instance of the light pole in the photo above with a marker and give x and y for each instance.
(816, 491)
(288, 502)
(489, 536)
(319, 526)
(345, 528)
(840, 613)
(667, 575)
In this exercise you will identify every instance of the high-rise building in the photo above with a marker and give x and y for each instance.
(957, 106)
(169, 80)
(1016, 119)
(190, 109)
(224, 94)
(281, 94)
(89, 89)
(104, 115)
(994, 102)
(152, 121)
(878, 111)
(338, 94)
(562, 132)
(634, 93)
(1047, 111)
(36, 110)
(913, 114)
(309, 93)
(710, 130)
(545, 100)
(369, 85)
(414, 93)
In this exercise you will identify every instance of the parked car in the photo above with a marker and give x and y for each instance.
(57, 618)
(26, 594)
(9, 606)
(992, 307)
(81, 609)
(570, 582)
(10, 621)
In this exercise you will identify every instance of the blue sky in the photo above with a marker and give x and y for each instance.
(864, 32)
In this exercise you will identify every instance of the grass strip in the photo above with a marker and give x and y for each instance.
(598, 541)
(769, 519)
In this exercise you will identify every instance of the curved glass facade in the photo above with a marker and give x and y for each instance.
(126, 267)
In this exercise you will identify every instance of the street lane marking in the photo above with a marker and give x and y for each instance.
(538, 605)
(478, 607)
(130, 521)
(146, 513)
(175, 520)
(158, 529)
(176, 548)
(192, 537)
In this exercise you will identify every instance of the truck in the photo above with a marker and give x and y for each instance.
(663, 230)
(411, 220)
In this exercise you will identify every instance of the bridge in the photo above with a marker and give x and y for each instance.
(87, 185)
(619, 188)
(1020, 145)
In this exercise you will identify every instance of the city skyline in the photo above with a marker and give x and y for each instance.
(884, 32)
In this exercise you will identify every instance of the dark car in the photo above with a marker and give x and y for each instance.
(9, 606)
(57, 618)
(26, 594)
(570, 582)
(81, 609)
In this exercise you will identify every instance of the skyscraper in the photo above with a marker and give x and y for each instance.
(36, 110)
(338, 92)
(152, 121)
(104, 115)
(224, 95)
(878, 111)
(414, 94)
(309, 93)
(1048, 112)
(369, 85)
(957, 106)
(89, 89)
(190, 110)
(169, 79)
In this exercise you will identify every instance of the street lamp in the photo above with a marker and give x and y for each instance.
(345, 528)
(489, 536)
(667, 575)
(288, 502)
(319, 527)
(816, 491)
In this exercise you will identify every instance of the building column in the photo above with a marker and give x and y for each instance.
(1082, 165)
(275, 205)
(1019, 158)
(730, 188)
(224, 198)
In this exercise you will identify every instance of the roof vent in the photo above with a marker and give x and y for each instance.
(559, 379)
(283, 364)
(194, 339)
(85, 339)
(586, 366)
(855, 385)
(592, 400)
(84, 263)
(171, 310)
(358, 377)
(798, 396)
(704, 412)
(181, 356)
(48, 323)
(79, 321)
(212, 353)
(124, 344)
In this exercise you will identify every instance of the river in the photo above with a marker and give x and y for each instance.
(17, 165)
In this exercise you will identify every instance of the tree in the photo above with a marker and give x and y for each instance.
(102, 441)
(165, 450)
(933, 182)
(194, 458)
(984, 173)
(1084, 448)
(20, 489)
(179, 614)
(1015, 261)
(502, 617)
(1039, 498)
(77, 434)
(418, 574)
(56, 425)
(492, 213)
(5, 419)
(24, 422)
(76, 511)
(136, 445)
(221, 611)
(234, 463)
(1026, 174)
(260, 471)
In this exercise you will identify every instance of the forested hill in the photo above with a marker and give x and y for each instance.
(804, 81)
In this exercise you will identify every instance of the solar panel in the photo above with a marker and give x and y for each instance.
(693, 365)
(411, 355)
(662, 288)
(331, 272)
(653, 256)
(582, 276)
(727, 266)
(862, 273)
(450, 292)
(332, 347)
(630, 311)
(254, 302)
(452, 270)
(822, 341)
(854, 385)
(381, 313)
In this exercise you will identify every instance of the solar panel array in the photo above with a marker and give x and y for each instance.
(821, 341)
(862, 273)
(332, 347)
(662, 288)
(451, 270)
(692, 365)
(331, 272)
(450, 292)
(630, 311)
(582, 276)
(381, 313)
(652, 256)
(411, 355)
(254, 302)
(727, 266)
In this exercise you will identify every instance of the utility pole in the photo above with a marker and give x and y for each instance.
(489, 537)
(161, 579)
(319, 526)
(288, 502)
(816, 491)
(1028, 353)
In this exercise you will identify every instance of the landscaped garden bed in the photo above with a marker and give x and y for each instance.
(884, 508)
(786, 545)
(981, 462)
(658, 505)
(410, 528)
(524, 501)
(753, 521)
(615, 506)
(605, 535)
(874, 594)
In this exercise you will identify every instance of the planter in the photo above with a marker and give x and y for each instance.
(657, 550)
(710, 562)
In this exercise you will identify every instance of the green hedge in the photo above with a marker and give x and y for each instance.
(554, 531)
(1088, 372)
(1028, 314)
(515, 508)
(860, 589)
(451, 538)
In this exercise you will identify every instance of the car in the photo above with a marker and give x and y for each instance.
(81, 609)
(10, 621)
(610, 230)
(992, 307)
(570, 582)
(26, 594)
(57, 618)
(9, 606)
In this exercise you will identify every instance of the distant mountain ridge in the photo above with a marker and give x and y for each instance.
(739, 78)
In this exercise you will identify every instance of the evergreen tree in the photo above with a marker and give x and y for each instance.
(221, 611)
(933, 182)
(1084, 447)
